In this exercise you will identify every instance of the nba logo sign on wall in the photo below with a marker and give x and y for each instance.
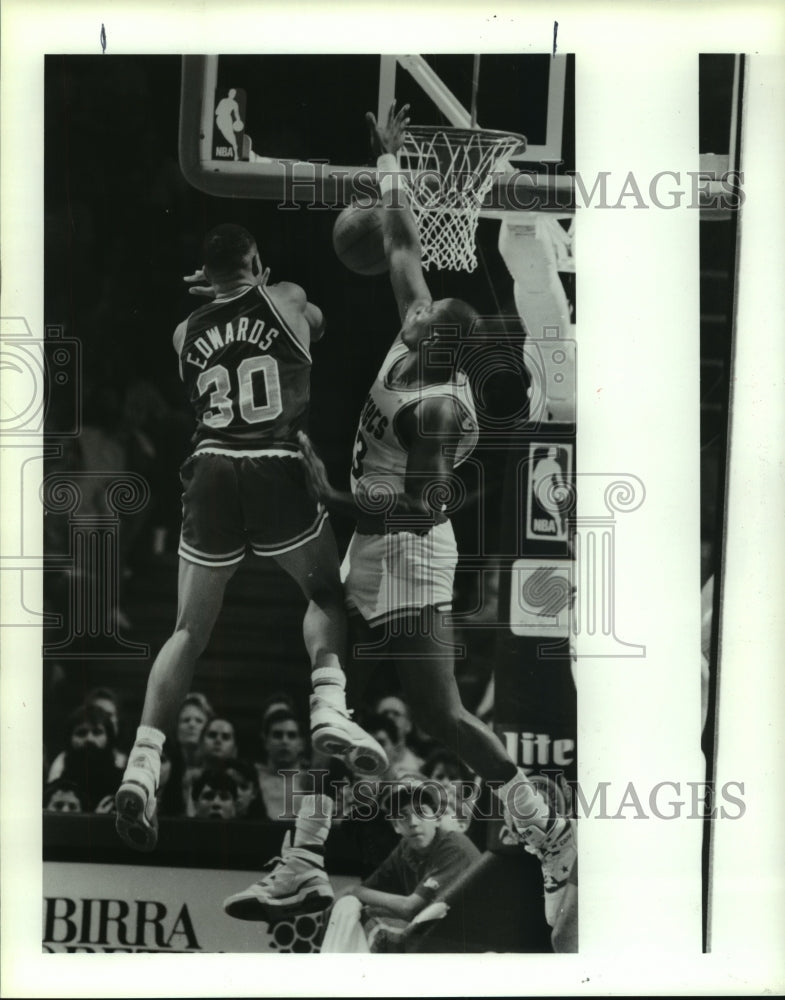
(549, 493)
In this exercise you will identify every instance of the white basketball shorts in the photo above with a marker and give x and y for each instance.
(385, 576)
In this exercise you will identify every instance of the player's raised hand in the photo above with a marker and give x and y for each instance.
(315, 472)
(388, 138)
(199, 285)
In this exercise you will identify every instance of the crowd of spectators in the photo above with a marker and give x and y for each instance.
(210, 771)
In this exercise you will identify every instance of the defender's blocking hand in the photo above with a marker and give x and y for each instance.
(388, 138)
(315, 471)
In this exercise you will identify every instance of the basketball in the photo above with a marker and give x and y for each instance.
(238, 125)
(358, 240)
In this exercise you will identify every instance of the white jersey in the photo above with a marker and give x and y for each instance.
(387, 574)
(380, 456)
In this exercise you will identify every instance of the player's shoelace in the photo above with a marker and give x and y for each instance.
(271, 872)
(345, 713)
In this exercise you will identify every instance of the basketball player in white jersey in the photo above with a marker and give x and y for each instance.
(417, 424)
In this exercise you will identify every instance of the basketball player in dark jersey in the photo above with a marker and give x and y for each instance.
(416, 425)
(245, 361)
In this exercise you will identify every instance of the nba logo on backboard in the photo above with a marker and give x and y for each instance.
(229, 125)
(549, 497)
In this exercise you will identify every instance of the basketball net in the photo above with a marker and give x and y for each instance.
(450, 174)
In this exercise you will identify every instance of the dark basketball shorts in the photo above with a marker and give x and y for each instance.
(233, 501)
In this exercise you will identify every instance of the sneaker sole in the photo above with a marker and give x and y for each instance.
(366, 761)
(250, 907)
(133, 828)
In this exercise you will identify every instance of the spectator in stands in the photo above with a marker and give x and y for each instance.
(214, 795)
(107, 699)
(62, 797)
(385, 731)
(249, 796)
(278, 699)
(219, 742)
(186, 754)
(283, 749)
(456, 814)
(404, 760)
(445, 767)
(273, 703)
(89, 759)
(194, 715)
(104, 699)
(462, 788)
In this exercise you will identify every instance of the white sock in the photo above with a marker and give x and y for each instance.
(329, 683)
(149, 736)
(525, 804)
(149, 744)
(313, 821)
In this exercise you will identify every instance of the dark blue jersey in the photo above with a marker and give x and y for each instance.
(247, 374)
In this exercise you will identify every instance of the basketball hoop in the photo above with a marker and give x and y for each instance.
(450, 173)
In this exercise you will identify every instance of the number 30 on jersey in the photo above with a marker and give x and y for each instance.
(218, 382)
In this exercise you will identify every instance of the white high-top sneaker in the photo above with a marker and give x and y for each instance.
(293, 884)
(136, 821)
(335, 734)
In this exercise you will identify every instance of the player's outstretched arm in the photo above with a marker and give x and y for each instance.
(401, 238)
(432, 430)
(374, 504)
(319, 485)
(344, 502)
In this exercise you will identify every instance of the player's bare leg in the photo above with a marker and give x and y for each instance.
(200, 597)
(427, 675)
(426, 669)
(315, 568)
(200, 594)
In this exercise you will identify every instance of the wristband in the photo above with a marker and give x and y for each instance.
(388, 166)
(387, 161)
(388, 183)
